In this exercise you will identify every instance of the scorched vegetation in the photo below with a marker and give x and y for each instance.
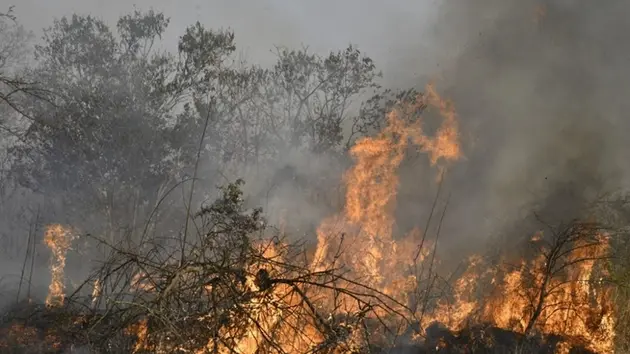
(112, 147)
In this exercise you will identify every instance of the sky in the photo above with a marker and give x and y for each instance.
(386, 30)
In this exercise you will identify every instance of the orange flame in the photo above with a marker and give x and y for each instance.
(362, 240)
(574, 303)
(576, 307)
(58, 239)
(372, 185)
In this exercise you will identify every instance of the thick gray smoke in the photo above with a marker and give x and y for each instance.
(539, 86)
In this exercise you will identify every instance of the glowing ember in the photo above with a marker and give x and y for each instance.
(19, 338)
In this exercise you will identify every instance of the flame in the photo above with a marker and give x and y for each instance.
(372, 185)
(58, 239)
(369, 251)
(276, 311)
(456, 314)
(573, 303)
(563, 348)
(141, 330)
(97, 291)
(575, 306)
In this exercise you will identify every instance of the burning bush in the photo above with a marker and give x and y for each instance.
(233, 288)
(238, 286)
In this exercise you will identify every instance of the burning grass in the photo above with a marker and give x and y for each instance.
(239, 287)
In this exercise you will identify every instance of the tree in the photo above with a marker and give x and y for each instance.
(14, 40)
(117, 135)
(15, 87)
(303, 102)
(13, 50)
(301, 106)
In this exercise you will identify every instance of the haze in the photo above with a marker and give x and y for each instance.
(387, 31)
(539, 86)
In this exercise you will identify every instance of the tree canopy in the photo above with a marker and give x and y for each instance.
(120, 120)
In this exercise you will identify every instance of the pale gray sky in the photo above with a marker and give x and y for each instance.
(395, 33)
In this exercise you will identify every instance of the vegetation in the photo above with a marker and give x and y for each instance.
(105, 131)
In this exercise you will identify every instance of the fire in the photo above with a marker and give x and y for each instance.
(528, 297)
(575, 303)
(272, 310)
(372, 185)
(17, 335)
(567, 299)
(455, 315)
(24, 338)
(58, 239)
(141, 332)
(141, 281)
(561, 295)
(96, 292)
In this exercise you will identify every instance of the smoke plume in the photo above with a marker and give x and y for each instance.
(538, 86)
(539, 89)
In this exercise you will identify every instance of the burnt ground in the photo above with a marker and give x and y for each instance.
(34, 328)
(27, 328)
(485, 339)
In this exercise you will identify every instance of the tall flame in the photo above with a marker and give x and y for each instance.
(58, 239)
(372, 185)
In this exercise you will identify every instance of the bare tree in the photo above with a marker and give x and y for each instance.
(565, 247)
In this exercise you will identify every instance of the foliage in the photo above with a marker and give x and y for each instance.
(121, 119)
(14, 49)
(110, 136)
(302, 103)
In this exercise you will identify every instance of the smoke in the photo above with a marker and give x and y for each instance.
(538, 85)
(387, 31)
(539, 89)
